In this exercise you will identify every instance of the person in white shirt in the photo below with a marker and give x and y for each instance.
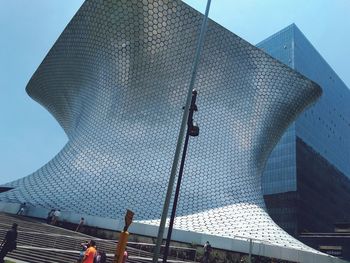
(56, 216)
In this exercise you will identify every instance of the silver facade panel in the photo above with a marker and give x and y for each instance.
(116, 81)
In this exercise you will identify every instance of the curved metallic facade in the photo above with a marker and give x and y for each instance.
(116, 81)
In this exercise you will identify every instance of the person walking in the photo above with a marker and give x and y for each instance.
(207, 251)
(81, 223)
(90, 253)
(50, 216)
(125, 256)
(100, 257)
(9, 243)
(21, 209)
(84, 246)
(56, 216)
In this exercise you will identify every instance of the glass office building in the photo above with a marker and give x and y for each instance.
(306, 180)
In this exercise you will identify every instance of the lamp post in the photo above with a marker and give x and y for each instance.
(192, 130)
(180, 138)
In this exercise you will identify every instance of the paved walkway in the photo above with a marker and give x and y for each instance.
(42, 243)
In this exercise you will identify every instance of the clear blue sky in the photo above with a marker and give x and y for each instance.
(29, 135)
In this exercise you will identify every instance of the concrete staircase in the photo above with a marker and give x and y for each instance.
(39, 242)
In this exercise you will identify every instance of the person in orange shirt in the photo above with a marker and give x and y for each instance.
(90, 253)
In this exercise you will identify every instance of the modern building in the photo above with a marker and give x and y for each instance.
(116, 81)
(306, 183)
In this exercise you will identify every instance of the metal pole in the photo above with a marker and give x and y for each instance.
(173, 212)
(250, 250)
(180, 138)
(178, 184)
